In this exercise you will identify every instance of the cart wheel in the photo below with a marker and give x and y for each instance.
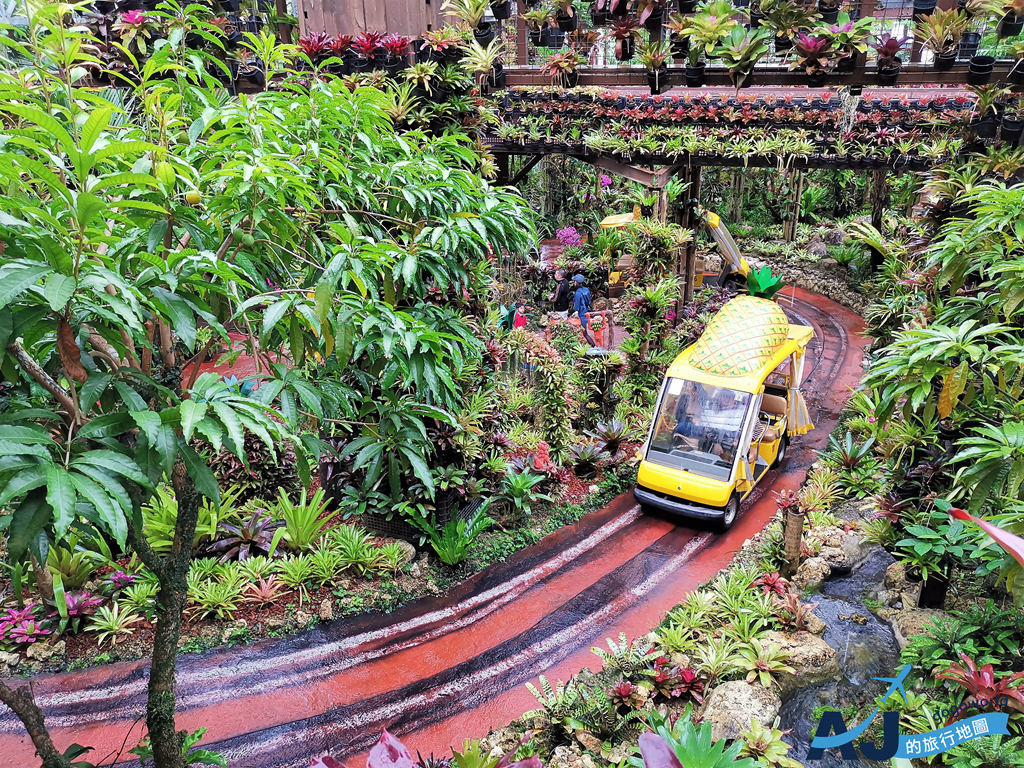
(732, 511)
(783, 446)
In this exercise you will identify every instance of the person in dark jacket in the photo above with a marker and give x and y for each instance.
(561, 299)
(582, 304)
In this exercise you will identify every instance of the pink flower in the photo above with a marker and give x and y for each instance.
(670, 315)
(569, 237)
(133, 18)
(27, 632)
(606, 180)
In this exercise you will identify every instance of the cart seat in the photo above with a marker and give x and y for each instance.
(774, 405)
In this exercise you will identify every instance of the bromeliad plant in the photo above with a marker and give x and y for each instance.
(740, 51)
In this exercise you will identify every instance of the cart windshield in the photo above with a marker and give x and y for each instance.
(697, 428)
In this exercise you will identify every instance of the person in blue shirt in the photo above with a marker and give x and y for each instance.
(582, 304)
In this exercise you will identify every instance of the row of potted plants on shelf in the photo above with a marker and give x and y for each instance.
(816, 42)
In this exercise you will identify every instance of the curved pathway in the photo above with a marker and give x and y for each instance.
(443, 669)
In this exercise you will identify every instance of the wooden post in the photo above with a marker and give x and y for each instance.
(522, 43)
(503, 175)
(284, 30)
(688, 254)
(738, 188)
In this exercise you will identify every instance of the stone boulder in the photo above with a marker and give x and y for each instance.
(811, 573)
(812, 659)
(732, 706)
(912, 621)
(46, 651)
(815, 625)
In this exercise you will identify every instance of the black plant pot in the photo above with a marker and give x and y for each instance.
(782, 43)
(484, 34)
(944, 61)
(537, 36)
(654, 22)
(1011, 131)
(393, 65)
(695, 75)
(571, 79)
(816, 79)
(969, 42)
(625, 50)
(888, 75)
(421, 53)
(828, 15)
(1011, 25)
(1016, 76)
(361, 64)
(687, 6)
(502, 9)
(621, 10)
(657, 81)
(933, 591)
(923, 8)
(979, 71)
(756, 17)
(985, 127)
(599, 18)
(748, 80)
(848, 63)
(680, 46)
(556, 38)
(567, 23)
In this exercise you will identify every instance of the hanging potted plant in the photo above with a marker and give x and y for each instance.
(652, 14)
(889, 62)
(365, 48)
(1013, 123)
(501, 9)
(482, 63)
(625, 33)
(599, 15)
(563, 68)
(985, 117)
(422, 75)
(615, 8)
(396, 53)
(654, 55)
(740, 51)
(565, 15)
(829, 9)
(1012, 23)
(940, 33)
(135, 28)
(471, 13)
(536, 24)
(1016, 75)
(443, 45)
(977, 15)
(785, 18)
(815, 56)
(583, 41)
(849, 40)
(676, 25)
(923, 9)
(712, 24)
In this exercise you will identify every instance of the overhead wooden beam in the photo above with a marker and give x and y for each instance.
(521, 174)
(649, 178)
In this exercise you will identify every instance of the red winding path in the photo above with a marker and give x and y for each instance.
(443, 669)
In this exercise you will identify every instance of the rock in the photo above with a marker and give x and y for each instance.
(432, 587)
(815, 625)
(303, 619)
(732, 706)
(588, 761)
(408, 550)
(415, 571)
(326, 611)
(835, 237)
(564, 756)
(912, 621)
(618, 754)
(276, 622)
(812, 659)
(911, 596)
(896, 576)
(829, 263)
(811, 573)
(45, 651)
(816, 248)
(589, 742)
(9, 659)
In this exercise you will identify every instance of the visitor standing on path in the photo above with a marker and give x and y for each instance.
(562, 296)
(582, 304)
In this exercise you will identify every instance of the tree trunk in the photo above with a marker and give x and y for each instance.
(160, 705)
(23, 704)
(792, 537)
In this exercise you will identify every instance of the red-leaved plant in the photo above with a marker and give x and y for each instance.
(772, 584)
(982, 684)
(367, 43)
(389, 752)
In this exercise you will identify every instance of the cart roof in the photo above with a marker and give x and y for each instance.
(743, 343)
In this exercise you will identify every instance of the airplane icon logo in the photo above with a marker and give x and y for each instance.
(895, 683)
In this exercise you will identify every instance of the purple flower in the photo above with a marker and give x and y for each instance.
(606, 180)
(120, 579)
(670, 315)
(28, 632)
(836, 29)
(569, 237)
(82, 604)
(133, 18)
